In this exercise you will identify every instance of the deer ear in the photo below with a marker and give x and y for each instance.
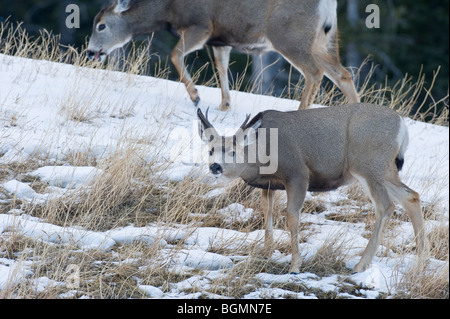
(122, 6)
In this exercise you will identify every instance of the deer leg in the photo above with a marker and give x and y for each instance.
(222, 58)
(384, 208)
(267, 204)
(192, 39)
(313, 74)
(312, 84)
(296, 196)
(410, 201)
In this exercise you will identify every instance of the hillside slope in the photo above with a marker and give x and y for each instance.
(63, 129)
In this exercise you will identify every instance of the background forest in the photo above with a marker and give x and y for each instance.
(413, 39)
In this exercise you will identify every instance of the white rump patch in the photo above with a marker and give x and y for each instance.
(402, 137)
(327, 13)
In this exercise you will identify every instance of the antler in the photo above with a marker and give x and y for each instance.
(244, 125)
(205, 125)
(204, 118)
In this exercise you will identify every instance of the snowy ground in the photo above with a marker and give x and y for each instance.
(49, 111)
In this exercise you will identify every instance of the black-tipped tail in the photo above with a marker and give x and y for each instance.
(403, 140)
(399, 163)
(327, 27)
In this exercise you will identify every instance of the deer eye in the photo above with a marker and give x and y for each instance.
(211, 152)
(101, 27)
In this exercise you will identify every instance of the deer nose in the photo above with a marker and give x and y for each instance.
(90, 54)
(216, 169)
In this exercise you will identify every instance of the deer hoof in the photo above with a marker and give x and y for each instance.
(360, 268)
(196, 101)
(224, 106)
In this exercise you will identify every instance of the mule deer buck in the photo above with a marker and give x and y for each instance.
(320, 150)
(304, 32)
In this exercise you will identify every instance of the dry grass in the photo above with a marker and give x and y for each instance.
(133, 191)
(407, 96)
(330, 258)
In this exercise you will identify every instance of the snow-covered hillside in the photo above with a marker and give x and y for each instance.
(50, 113)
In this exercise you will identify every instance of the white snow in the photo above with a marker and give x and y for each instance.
(130, 234)
(34, 228)
(152, 292)
(200, 259)
(12, 272)
(50, 112)
(66, 176)
(18, 189)
(236, 212)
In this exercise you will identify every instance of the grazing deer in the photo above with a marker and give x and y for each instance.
(320, 150)
(304, 32)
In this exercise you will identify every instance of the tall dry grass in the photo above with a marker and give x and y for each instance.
(409, 96)
(131, 190)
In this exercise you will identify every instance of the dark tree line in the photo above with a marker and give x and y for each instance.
(413, 36)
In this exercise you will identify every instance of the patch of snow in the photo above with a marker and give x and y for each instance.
(199, 259)
(67, 176)
(236, 213)
(19, 189)
(55, 234)
(12, 272)
(151, 291)
(130, 234)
